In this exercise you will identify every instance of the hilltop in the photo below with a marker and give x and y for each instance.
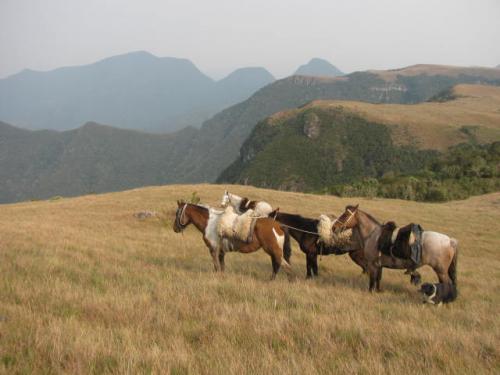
(318, 68)
(85, 287)
(437, 124)
(325, 143)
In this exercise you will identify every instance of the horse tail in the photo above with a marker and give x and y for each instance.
(452, 270)
(287, 248)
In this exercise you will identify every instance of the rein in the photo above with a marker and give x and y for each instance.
(297, 229)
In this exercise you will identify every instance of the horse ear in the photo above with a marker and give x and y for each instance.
(178, 203)
(356, 206)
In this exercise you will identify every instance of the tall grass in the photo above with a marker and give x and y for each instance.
(85, 287)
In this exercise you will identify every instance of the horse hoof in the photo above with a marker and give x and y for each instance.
(415, 279)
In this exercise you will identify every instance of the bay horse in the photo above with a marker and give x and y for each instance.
(267, 234)
(439, 251)
(242, 205)
(305, 231)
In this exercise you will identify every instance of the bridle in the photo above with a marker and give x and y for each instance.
(345, 222)
(179, 216)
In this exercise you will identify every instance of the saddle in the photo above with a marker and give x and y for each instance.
(402, 242)
(333, 242)
(237, 227)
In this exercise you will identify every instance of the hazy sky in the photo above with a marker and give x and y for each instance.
(221, 35)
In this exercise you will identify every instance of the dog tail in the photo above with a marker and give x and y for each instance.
(452, 270)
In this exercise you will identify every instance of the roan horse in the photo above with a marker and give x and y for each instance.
(305, 231)
(267, 234)
(438, 250)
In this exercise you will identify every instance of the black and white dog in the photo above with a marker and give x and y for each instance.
(439, 293)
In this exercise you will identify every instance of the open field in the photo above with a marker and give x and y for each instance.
(85, 287)
(429, 125)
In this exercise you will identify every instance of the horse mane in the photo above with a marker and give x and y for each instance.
(370, 217)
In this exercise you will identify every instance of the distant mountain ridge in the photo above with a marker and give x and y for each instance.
(46, 163)
(136, 90)
(317, 67)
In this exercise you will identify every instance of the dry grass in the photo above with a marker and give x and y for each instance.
(87, 288)
(428, 125)
(431, 69)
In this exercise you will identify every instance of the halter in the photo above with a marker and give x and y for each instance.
(344, 223)
(179, 217)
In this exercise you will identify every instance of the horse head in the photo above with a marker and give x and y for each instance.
(226, 199)
(347, 219)
(181, 219)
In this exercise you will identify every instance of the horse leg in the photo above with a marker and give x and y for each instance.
(276, 267)
(308, 266)
(278, 261)
(215, 257)
(415, 278)
(442, 275)
(221, 261)
(373, 273)
(379, 278)
(315, 265)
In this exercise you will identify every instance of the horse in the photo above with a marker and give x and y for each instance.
(439, 251)
(242, 205)
(305, 231)
(267, 234)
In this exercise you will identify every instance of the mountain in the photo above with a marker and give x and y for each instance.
(333, 142)
(318, 68)
(31, 161)
(220, 138)
(93, 158)
(135, 91)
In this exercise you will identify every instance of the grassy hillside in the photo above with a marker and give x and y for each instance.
(334, 142)
(87, 288)
(437, 124)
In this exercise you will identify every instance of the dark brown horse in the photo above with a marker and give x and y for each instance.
(267, 234)
(305, 231)
(438, 250)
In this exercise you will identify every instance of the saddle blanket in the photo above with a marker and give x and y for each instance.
(329, 238)
(237, 227)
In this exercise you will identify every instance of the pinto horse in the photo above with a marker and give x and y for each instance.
(438, 250)
(267, 234)
(242, 205)
(305, 231)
